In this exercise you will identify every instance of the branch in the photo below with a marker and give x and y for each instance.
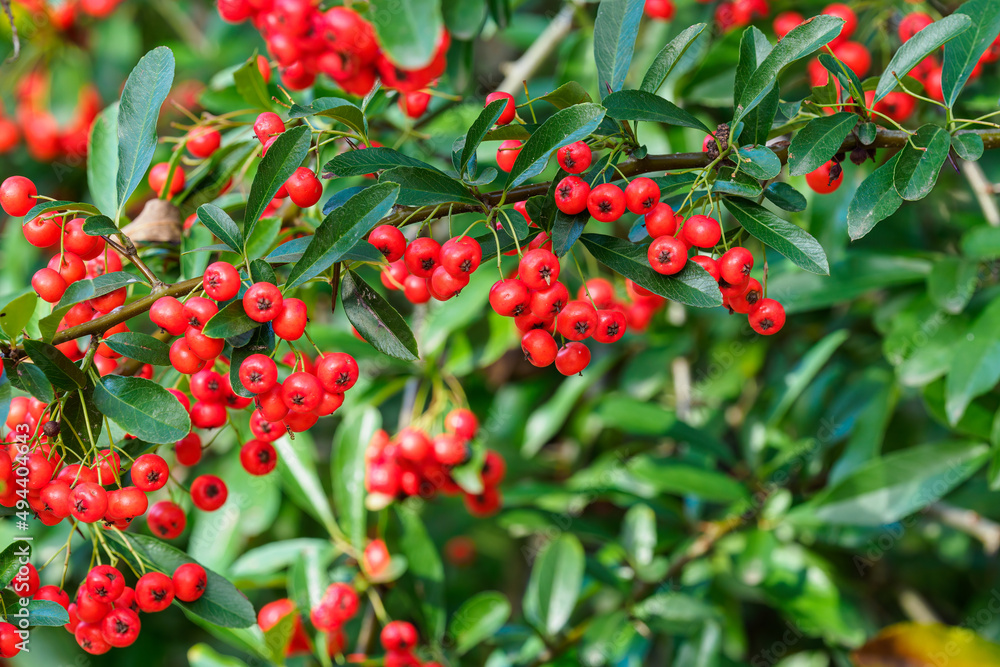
(13, 31)
(670, 162)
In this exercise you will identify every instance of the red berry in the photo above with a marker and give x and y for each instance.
(484, 504)
(642, 195)
(53, 594)
(304, 188)
(549, 302)
(208, 415)
(767, 317)
(108, 302)
(610, 326)
(154, 592)
(509, 297)
(337, 372)
(912, 24)
(198, 311)
(398, 636)
(190, 581)
(69, 265)
(708, 264)
(290, 323)
(204, 141)
(462, 423)
(158, 179)
(17, 195)
(507, 154)
(494, 469)
(662, 10)
(389, 241)
(577, 320)
(667, 255)
(572, 358)
(105, 583)
(168, 314)
(183, 359)
(572, 195)
(208, 492)
(461, 256)
(204, 347)
(850, 20)
(91, 639)
(855, 56)
(444, 285)
(258, 373)
(41, 233)
(49, 285)
(88, 502)
(606, 202)
(735, 265)
(79, 242)
(221, 281)
(120, 628)
(785, 22)
(166, 520)
(415, 289)
(414, 104)
(207, 385)
(702, 231)
(262, 302)
(188, 449)
(301, 392)
(375, 558)
(539, 347)
(422, 256)
(574, 158)
(509, 109)
(258, 457)
(822, 180)
(538, 269)
(267, 125)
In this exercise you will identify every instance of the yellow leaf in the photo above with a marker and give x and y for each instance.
(930, 645)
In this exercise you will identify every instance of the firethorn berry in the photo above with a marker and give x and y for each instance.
(850, 20)
(375, 558)
(17, 196)
(41, 233)
(415, 289)
(56, 496)
(262, 302)
(188, 449)
(207, 385)
(76, 241)
(825, 179)
(190, 581)
(208, 415)
(105, 583)
(572, 195)
(896, 105)
(708, 264)
(154, 592)
(290, 323)
(108, 302)
(398, 636)
(337, 371)
(25, 582)
(422, 256)
(158, 179)
(301, 392)
(767, 317)
(53, 594)
(461, 255)
(221, 281)
(88, 609)
(662, 10)
(855, 56)
(701, 231)
(577, 320)
(338, 605)
(509, 110)
(549, 302)
(444, 285)
(611, 325)
(746, 301)
(267, 125)
(539, 347)
(304, 188)
(49, 285)
(168, 314)
(785, 22)
(642, 195)
(913, 23)
(91, 639)
(732, 291)
(203, 141)
(462, 423)
(204, 347)
(88, 502)
(258, 457)
(69, 265)
(494, 469)
(572, 358)
(414, 104)
(483, 504)
(574, 158)
(199, 310)
(329, 404)
(258, 373)
(270, 404)
(606, 202)
(507, 154)
(126, 503)
(120, 628)
(735, 265)
(394, 275)
(509, 298)
(166, 520)
(538, 269)
(529, 321)
(667, 255)
(389, 241)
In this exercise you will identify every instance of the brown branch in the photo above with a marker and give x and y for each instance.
(13, 31)
(129, 251)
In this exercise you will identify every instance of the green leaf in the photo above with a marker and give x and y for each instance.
(569, 94)
(962, 54)
(17, 313)
(874, 201)
(59, 370)
(607, 639)
(975, 367)
(376, 320)
(952, 283)
(282, 159)
(275, 556)
(106, 283)
(759, 162)
(555, 583)
(867, 133)
(144, 93)
(339, 110)
(639, 534)
(464, 18)
(890, 488)
(787, 238)
(78, 409)
(229, 322)
(143, 408)
(477, 620)
(849, 81)
(30, 378)
(643, 106)
(261, 342)
(203, 655)
(261, 272)
(222, 604)
(692, 286)
(484, 122)
(562, 128)
(46, 206)
(425, 568)
(99, 225)
(41, 613)
(786, 197)
(364, 161)
(687, 480)
(798, 43)
(736, 183)
(220, 224)
(419, 186)
(348, 473)
(917, 170)
(263, 237)
(251, 86)
(341, 230)
(292, 251)
(566, 230)
(918, 47)
(818, 141)
(968, 145)
(408, 30)
(141, 347)
(615, 30)
(297, 466)
(805, 371)
(10, 561)
(754, 49)
(102, 160)
(982, 242)
(669, 56)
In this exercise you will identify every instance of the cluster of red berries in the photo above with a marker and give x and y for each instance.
(337, 42)
(412, 463)
(64, 15)
(424, 268)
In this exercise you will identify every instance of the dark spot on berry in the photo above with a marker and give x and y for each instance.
(766, 324)
(263, 304)
(427, 263)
